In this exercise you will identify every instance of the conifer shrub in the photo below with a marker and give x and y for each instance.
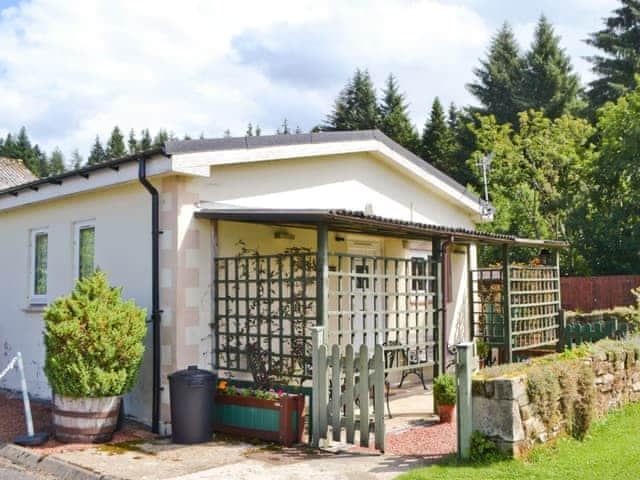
(93, 340)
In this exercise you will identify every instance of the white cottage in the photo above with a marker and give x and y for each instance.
(249, 241)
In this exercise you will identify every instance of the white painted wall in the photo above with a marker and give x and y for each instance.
(341, 181)
(122, 218)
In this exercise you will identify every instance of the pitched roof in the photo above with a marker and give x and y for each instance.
(254, 142)
(14, 172)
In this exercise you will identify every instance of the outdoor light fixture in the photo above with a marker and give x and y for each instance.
(284, 235)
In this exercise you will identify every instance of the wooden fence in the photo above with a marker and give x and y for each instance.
(574, 334)
(343, 383)
(586, 294)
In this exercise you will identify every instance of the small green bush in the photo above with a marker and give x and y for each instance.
(93, 340)
(444, 389)
(483, 450)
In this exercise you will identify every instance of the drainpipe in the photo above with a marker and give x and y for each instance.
(155, 291)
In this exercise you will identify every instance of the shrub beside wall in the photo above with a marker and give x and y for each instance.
(519, 405)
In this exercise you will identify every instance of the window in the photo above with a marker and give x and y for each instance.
(418, 269)
(85, 249)
(362, 283)
(39, 267)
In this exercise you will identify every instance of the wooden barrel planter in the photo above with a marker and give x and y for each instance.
(85, 420)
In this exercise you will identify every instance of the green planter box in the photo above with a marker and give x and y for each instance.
(279, 420)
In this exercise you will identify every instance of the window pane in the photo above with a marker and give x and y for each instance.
(40, 264)
(87, 239)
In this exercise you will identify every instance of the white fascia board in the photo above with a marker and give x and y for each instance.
(98, 179)
(198, 160)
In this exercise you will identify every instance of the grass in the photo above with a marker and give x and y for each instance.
(611, 450)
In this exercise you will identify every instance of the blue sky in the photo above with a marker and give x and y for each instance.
(72, 68)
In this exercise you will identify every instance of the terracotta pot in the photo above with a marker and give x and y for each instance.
(85, 420)
(446, 413)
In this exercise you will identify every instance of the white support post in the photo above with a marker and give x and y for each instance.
(317, 339)
(465, 365)
(25, 396)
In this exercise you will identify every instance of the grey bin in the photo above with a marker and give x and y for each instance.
(191, 395)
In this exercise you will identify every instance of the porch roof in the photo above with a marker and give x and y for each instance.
(353, 221)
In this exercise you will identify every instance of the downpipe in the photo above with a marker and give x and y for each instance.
(155, 291)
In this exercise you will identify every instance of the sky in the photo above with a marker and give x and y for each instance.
(71, 69)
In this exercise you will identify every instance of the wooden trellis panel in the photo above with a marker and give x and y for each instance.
(348, 393)
(267, 301)
(386, 301)
(531, 306)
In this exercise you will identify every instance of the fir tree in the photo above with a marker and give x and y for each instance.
(76, 160)
(499, 77)
(145, 140)
(56, 162)
(394, 117)
(619, 61)
(249, 132)
(548, 83)
(161, 138)
(258, 131)
(284, 128)
(356, 107)
(132, 143)
(115, 144)
(42, 163)
(438, 143)
(97, 154)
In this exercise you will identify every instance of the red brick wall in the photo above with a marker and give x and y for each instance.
(595, 293)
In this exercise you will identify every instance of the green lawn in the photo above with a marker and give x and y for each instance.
(610, 451)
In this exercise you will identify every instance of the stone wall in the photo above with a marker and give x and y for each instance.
(503, 412)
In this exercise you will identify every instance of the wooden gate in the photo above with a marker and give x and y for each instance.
(348, 392)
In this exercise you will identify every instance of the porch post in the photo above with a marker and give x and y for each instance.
(438, 302)
(322, 275)
(506, 305)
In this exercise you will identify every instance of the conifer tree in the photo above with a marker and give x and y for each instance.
(145, 140)
(76, 160)
(115, 144)
(41, 163)
(132, 143)
(394, 117)
(499, 77)
(548, 82)
(161, 138)
(356, 107)
(97, 154)
(438, 142)
(284, 128)
(249, 132)
(619, 62)
(56, 162)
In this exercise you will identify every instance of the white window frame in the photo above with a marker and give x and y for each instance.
(35, 298)
(77, 227)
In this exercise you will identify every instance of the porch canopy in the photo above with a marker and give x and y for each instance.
(265, 305)
(352, 221)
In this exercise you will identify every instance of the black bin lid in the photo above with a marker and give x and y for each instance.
(192, 372)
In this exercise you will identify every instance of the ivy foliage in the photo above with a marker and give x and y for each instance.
(93, 340)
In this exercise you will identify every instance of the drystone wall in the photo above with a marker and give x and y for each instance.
(503, 412)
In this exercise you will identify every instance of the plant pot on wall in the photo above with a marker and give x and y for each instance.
(94, 346)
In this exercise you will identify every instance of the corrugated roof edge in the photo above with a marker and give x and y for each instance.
(239, 143)
(56, 179)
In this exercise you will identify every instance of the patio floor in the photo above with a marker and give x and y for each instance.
(414, 438)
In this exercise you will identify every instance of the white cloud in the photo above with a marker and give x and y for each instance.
(72, 68)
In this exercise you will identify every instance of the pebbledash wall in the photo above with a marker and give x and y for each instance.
(502, 411)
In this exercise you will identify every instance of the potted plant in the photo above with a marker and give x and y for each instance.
(482, 349)
(444, 395)
(94, 346)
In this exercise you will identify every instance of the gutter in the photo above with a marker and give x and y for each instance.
(155, 290)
